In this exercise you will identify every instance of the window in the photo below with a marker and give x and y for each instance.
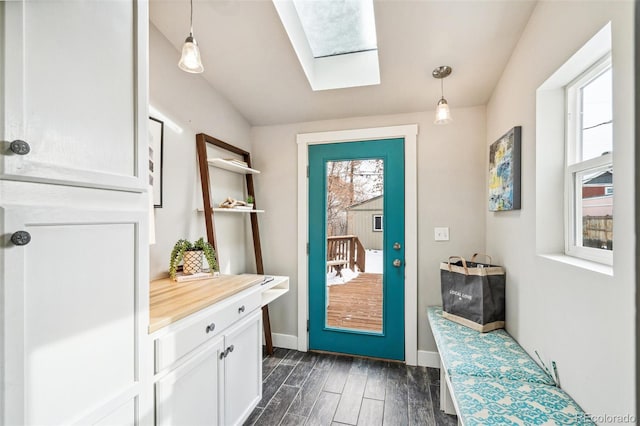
(338, 27)
(377, 223)
(589, 164)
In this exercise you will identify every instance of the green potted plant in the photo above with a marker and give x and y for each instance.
(250, 201)
(191, 255)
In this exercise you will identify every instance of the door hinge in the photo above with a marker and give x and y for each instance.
(307, 325)
(307, 248)
(307, 171)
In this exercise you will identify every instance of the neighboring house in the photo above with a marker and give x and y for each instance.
(365, 220)
(597, 195)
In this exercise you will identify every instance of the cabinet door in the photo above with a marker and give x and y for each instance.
(243, 369)
(74, 313)
(189, 394)
(75, 90)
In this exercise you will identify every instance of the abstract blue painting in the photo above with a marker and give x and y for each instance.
(504, 172)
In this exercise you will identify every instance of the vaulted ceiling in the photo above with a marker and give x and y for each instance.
(249, 59)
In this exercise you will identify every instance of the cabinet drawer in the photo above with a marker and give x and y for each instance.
(203, 327)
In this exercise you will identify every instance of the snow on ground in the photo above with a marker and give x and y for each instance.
(373, 265)
(347, 275)
(373, 261)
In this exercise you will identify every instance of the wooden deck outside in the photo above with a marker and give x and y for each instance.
(356, 304)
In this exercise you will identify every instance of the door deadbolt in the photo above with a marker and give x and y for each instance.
(397, 246)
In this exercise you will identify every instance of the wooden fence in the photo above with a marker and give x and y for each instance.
(597, 231)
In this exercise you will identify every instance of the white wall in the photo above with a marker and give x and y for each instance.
(581, 319)
(451, 192)
(195, 107)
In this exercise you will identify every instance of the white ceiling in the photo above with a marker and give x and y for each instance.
(249, 59)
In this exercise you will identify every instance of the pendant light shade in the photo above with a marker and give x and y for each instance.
(443, 114)
(190, 60)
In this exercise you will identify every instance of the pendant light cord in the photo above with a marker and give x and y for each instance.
(442, 88)
(191, 20)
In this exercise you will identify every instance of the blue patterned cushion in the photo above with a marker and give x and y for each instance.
(495, 354)
(484, 401)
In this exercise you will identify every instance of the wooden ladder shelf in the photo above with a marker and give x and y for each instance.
(204, 163)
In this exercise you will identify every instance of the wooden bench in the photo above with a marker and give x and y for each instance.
(488, 378)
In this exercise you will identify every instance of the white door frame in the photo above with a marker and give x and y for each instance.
(409, 133)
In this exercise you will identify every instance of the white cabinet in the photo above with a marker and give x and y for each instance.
(74, 255)
(243, 369)
(218, 382)
(74, 85)
(190, 394)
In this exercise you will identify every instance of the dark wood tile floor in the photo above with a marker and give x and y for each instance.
(321, 389)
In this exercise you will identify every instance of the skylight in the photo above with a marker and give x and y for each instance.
(337, 27)
(335, 41)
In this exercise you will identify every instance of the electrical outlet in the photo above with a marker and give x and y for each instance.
(441, 234)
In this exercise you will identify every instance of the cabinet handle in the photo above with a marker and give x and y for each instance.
(226, 352)
(211, 327)
(19, 147)
(241, 309)
(21, 238)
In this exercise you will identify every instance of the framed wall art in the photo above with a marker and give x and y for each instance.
(504, 171)
(156, 136)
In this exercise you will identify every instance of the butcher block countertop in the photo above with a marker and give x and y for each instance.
(170, 301)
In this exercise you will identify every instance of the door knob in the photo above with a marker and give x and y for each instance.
(21, 238)
(20, 147)
(397, 263)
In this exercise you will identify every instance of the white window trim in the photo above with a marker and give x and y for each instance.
(574, 167)
(573, 208)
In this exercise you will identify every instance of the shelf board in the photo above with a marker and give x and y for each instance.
(274, 289)
(272, 294)
(231, 166)
(219, 209)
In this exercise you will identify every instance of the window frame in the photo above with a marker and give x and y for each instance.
(373, 224)
(575, 167)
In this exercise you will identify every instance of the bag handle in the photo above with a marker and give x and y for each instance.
(473, 258)
(464, 263)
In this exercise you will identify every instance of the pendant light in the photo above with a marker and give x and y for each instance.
(443, 114)
(190, 60)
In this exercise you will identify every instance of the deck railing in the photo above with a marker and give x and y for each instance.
(345, 250)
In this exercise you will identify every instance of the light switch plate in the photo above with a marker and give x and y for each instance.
(441, 234)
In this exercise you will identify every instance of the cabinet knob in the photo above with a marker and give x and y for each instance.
(241, 309)
(226, 352)
(211, 327)
(20, 147)
(21, 238)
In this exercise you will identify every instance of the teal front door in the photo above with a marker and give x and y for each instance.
(356, 248)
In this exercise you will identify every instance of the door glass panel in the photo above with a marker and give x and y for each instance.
(355, 236)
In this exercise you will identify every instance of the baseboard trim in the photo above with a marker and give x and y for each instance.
(286, 341)
(289, 341)
(428, 359)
